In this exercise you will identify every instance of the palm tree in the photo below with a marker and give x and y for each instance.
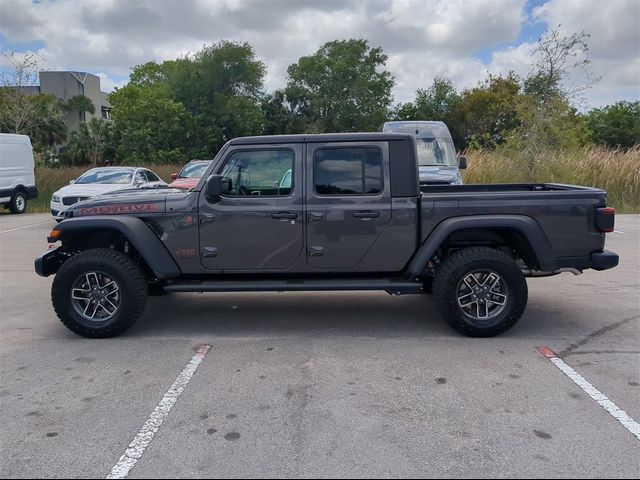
(91, 142)
(80, 104)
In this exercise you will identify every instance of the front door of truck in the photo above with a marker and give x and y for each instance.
(257, 225)
(348, 203)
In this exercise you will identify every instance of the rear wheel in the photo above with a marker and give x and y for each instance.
(480, 292)
(99, 293)
(18, 203)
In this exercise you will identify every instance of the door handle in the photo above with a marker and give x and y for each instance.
(315, 216)
(207, 217)
(284, 216)
(366, 214)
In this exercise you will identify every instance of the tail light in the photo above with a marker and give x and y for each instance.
(605, 219)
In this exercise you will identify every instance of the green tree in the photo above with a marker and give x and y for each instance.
(80, 104)
(279, 115)
(221, 87)
(343, 87)
(91, 142)
(150, 126)
(440, 101)
(616, 125)
(488, 113)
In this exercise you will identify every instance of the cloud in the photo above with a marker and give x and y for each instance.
(423, 39)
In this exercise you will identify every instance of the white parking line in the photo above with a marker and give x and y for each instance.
(616, 412)
(619, 231)
(25, 226)
(142, 440)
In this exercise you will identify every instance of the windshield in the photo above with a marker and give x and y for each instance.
(193, 170)
(106, 176)
(436, 152)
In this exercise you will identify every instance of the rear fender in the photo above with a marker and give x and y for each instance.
(527, 226)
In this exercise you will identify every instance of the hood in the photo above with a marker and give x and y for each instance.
(189, 182)
(89, 189)
(135, 201)
(440, 175)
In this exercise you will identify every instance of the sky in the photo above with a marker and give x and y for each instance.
(463, 40)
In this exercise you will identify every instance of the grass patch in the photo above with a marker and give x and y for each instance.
(616, 171)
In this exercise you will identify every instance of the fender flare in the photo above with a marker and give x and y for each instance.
(135, 231)
(527, 226)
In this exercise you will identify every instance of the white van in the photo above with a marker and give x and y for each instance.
(17, 174)
(436, 154)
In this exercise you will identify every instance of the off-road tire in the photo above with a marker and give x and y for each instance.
(119, 267)
(459, 265)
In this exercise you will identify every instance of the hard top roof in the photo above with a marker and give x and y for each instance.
(320, 137)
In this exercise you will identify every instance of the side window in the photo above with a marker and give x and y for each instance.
(151, 176)
(260, 172)
(140, 177)
(348, 171)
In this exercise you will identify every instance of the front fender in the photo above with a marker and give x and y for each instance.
(527, 226)
(137, 233)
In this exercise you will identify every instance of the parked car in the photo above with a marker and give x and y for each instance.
(436, 153)
(17, 174)
(323, 212)
(99, 181)
(190, 174)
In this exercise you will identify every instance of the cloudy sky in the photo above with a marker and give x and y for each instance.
(459, 39)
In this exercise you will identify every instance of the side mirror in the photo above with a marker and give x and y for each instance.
(217, 185)
(71, 182)
(462, 163)
(174, 176)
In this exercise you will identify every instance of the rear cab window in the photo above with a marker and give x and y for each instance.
(348, 171)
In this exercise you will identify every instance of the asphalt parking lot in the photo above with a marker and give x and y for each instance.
(321, 385)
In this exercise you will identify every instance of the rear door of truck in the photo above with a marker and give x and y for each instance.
(348, 201)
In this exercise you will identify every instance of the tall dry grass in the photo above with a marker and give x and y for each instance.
(616, 171)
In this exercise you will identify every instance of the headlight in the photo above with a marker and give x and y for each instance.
(55, 199)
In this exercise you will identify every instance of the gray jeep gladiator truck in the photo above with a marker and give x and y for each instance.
(323, 212)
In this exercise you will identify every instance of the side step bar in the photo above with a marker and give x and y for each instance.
(390, 286)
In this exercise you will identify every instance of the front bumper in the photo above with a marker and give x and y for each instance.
(604, 260)
(57, 210)
(49, 262)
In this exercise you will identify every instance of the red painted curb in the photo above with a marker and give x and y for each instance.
(547, 352)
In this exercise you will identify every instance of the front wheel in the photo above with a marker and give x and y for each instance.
(480, 292)
(99, 293)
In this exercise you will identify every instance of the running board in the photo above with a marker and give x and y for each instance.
(390, 286)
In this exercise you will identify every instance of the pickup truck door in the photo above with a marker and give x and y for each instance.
(348, 202)
(258, 224)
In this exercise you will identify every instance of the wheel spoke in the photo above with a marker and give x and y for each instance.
(92, 279)
(493, 278)
(471, 281)
(498, 298)
(466, 300)
(90, 310)
(111, 285)
(109, 311)
(80, 294)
